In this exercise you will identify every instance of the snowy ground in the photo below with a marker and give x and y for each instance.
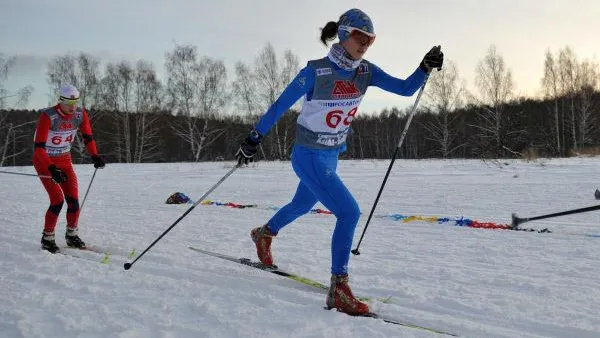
(476, 282)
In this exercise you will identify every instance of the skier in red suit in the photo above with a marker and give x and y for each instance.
(56, 129)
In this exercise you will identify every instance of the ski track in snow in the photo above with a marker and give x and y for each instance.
(476, 282)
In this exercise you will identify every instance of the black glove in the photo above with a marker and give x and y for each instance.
(58, 176)
(248, 148)
(433, 59)
(98, 162)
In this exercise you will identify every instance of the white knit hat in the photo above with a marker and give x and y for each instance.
(68, 92)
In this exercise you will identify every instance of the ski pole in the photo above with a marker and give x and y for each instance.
(25, 174)
(387, 174)
(516, 220)
(88, 190)
(127, 266)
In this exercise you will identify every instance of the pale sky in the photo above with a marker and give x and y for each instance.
(236, 30)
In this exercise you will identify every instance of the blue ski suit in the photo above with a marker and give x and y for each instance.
(332, 96)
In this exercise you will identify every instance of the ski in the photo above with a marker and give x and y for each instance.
(102, 251)
(257, 265)
(275, 270)
(76, 252)
(393, 321)
(96, 252)
(86, 248)
(318, 285)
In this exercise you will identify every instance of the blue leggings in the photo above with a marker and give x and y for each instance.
(319, 182)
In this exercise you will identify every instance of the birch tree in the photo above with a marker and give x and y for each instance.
(444, 95)
(81, 70)
(195, 89)
(21, 96)
(272, 77)
(567, 71)
(212, 94)
(116, 96)
(550, 87)
(571, 86)
(9, 131)
(147, 98)
(494, 81)
(586, 106)
(244, 91)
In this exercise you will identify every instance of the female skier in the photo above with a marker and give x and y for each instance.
(333, 88)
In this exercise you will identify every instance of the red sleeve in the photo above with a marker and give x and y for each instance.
(39, 140)
(86, 133)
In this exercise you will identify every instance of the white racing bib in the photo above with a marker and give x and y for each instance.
(325, 119)
(59, 142)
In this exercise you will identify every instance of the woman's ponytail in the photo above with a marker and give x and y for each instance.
(329, 32)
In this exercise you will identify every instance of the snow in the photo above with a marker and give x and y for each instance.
(474, 282)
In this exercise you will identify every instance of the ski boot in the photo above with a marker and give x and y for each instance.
(49, 243)
(262, 238)
(340, 297)
(73, 240)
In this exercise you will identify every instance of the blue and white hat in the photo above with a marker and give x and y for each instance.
(354, 19)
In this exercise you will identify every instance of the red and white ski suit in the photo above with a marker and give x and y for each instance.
(54, 135)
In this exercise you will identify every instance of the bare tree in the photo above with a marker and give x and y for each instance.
(147, 98)
(444, 95)
(266, 69)
(87, 74)
(272, 79)
(290, 67)
(571, 85)
(195, 89)
(495, 84)
(9, 132)
(131, 95)
(22, 95)
(117, 96)
(567, 67)
(110, 99)
(212, 95)
(61, 70)
(126, 76)
(181, 66)
(81, 70)
(550, 86)
(10, 135)
(244, 90)
(5, 64)
(587, 80)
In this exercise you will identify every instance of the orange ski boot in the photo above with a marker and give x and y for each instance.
(340, 297)
(262, 238)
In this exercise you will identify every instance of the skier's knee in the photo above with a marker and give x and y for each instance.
(350, 214)
(354, 214)
(73, 204)
(55, 208)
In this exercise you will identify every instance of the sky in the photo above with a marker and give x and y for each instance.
(236, 30)
(478, 283)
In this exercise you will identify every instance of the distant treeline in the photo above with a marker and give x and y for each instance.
(197, 112)
(527, 131)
